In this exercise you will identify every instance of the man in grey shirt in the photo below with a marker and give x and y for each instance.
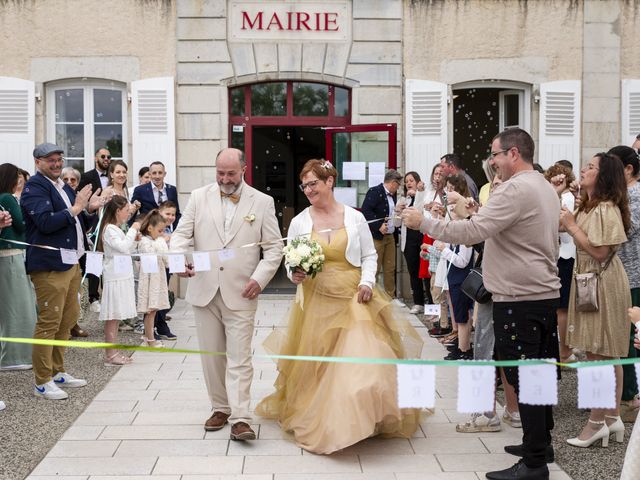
(519, 224)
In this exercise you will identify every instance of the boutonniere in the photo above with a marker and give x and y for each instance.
(250, 218)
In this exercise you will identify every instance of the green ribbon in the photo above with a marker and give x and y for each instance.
(313, 358)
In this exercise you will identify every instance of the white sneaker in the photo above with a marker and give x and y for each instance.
(512, 419)
(397, 302)
(50, 391)
(416, 309)
(479, 422)
(22, 366)
(65, 380)
(95, 306)
(2, 405)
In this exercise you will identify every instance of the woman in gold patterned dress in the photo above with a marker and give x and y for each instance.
(330, 406)
(598, 229)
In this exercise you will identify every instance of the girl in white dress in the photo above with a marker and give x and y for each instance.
(118, 298)
(153, 291)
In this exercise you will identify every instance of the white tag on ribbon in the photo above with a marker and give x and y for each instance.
(416, 386)
(149, 263)
(122, 264)
(597, 387)
(69, 257)
(201, 261)
(176, 263)
(538, 384)
(476, 389)
(93, 263)
(226, 254)
(433, 310)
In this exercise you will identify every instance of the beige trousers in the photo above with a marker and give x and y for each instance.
(58, 311)
(386, 250)
(228, 378)
(440, 297)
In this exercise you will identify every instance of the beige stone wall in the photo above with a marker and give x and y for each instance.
(630, 42)
(142, 31)
(535, 41)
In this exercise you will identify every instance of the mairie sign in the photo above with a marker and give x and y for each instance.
(328, 21)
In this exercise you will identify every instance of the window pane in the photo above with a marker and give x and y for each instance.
(237, 101)
(109, 137)
(512, 110)
(77, 163)
(69, 105)
(71, 139)
(310, 99)
(237, 140)
(107, 105)
(269, 99)
(341, 102)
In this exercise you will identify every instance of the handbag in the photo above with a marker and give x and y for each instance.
(473, 285)
(587, 288)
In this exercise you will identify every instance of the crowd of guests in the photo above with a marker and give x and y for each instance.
(76, 213)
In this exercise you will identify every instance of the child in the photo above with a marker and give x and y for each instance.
(459, 264)
(168, 210)
(118, 299)
(153, 293)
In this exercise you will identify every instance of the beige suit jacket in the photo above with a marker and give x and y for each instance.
(203, 223)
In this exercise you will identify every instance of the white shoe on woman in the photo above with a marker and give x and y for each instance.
(603, 434)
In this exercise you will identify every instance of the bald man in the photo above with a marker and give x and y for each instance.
(227, 215)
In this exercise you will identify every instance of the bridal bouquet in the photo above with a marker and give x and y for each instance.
(304, 253)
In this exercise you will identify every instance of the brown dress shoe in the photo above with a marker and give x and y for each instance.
(242, 431)
(216, 422)
(76, 331)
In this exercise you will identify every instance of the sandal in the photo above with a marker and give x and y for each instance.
(150, 342)
(452, 336)
(117, 360)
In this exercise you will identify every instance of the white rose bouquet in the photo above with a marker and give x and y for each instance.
(304, 253)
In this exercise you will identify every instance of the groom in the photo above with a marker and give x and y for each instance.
(223, 217)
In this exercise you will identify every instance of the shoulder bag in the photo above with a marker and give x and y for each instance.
(587, 287)
(473, 286)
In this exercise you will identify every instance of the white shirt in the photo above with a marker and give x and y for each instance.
(59, 184)
(104, 179)
(567, 247)
(392, 206)
(229, 211)
(156, 193)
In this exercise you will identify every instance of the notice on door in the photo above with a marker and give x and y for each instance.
(327, 21)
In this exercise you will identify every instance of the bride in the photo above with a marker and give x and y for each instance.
(329, 406)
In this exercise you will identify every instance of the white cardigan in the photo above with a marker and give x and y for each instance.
(360, 249)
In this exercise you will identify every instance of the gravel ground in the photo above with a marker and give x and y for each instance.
(30, 426)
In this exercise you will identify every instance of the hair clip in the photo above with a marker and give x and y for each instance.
(326, 165)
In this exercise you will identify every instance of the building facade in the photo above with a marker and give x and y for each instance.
(369, 84)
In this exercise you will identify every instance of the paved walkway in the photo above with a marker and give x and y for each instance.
(148, 424)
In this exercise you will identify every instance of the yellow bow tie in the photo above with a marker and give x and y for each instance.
(234, 197)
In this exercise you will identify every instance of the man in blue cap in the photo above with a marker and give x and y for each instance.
(52, 213)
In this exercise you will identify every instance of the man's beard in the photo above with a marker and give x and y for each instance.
(228, 189)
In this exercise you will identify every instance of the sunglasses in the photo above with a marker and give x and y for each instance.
(105, 157)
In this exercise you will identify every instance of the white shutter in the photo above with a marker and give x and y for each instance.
(630, 111)
(560, 123)
(153, 125)
(425, 125)
(17, 122)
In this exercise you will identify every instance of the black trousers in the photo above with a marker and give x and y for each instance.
(528, 330)
(412, 257)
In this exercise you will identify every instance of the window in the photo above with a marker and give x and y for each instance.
(84, 117)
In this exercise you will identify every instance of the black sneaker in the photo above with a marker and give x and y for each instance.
(454, 355)
(438, 331)
(451, 343)
(168, 336)
(518, 451)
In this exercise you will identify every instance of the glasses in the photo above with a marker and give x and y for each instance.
(51, 161)
(493, 155)
(105, 157)
(311, 185)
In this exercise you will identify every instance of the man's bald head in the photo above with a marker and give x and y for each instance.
(230, 168)
(231, 155)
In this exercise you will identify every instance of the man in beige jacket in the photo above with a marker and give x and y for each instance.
(223, 218)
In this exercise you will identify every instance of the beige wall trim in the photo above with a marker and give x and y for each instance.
(269, 76)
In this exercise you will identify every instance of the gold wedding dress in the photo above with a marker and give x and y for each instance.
(329, 406)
